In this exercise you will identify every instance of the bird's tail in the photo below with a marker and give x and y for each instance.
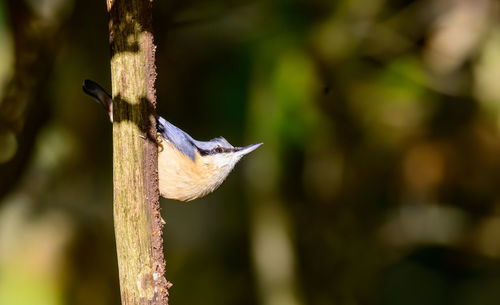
(100, 95)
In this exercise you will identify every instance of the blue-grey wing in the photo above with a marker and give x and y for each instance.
(184, 142)
(180, 139)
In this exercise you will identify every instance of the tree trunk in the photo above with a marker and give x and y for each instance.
(138, 224)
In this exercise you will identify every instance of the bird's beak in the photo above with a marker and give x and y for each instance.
(247, 149)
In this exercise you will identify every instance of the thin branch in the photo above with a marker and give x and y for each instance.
(138, 224)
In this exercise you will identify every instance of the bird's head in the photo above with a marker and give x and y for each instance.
(219, 153)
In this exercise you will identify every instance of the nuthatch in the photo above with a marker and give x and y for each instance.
(187, 168)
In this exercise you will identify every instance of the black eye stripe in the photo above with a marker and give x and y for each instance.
(217, 150)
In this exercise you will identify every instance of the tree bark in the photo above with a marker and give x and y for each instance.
(138, 223)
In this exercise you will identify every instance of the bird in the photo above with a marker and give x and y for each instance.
(188, 169)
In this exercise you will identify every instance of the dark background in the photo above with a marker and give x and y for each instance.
(378, 181)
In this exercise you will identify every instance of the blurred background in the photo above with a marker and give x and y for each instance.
(379, 179)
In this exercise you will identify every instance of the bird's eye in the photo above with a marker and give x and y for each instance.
(218, 149)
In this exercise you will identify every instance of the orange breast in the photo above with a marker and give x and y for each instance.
(181, 178)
